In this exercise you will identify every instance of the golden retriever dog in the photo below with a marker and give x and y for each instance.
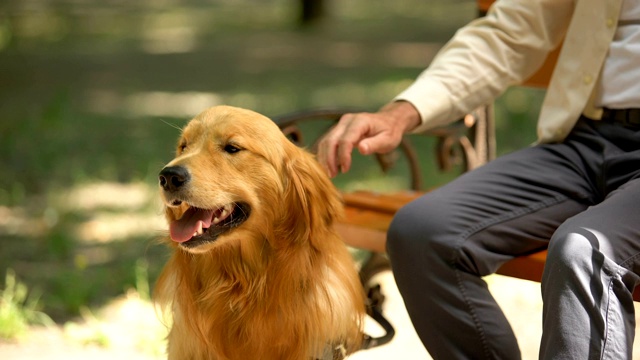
(257, 270)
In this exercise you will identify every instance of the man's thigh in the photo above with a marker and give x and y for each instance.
(507, 208)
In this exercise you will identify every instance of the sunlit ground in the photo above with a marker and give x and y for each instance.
(126, 328)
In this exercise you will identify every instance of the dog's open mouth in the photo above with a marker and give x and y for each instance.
(200, 226)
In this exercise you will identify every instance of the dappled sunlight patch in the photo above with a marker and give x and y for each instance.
(106, 226)
(115, 210)
(128, 322)
(107, 195)
(174, 104)
(184, 104)
(17, 221)
(171, 40)
(358, 94)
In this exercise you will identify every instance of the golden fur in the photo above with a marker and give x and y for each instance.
(280, 285)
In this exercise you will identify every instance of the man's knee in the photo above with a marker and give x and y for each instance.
(415, 232)
(574, 246)
(575, 258)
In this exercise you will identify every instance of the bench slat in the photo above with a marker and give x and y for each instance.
(369, 214)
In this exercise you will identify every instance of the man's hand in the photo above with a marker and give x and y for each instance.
(378, 132)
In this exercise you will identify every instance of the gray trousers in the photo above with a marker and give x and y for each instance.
(580, 199)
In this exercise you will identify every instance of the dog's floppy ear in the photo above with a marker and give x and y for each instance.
(312, 203)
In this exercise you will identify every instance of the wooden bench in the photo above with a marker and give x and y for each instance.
(368, 215)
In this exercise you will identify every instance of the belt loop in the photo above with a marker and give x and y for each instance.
(626, 117)
(634, 117)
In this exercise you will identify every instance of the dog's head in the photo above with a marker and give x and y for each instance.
(236, 176)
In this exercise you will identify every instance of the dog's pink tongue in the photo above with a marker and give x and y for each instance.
(183, 229)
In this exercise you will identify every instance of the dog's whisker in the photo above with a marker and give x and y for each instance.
(244, 212)
(239, 208)
(172, 125)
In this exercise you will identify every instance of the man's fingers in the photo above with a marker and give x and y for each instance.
(381, 143)
(328, 147)
(336, 147)
(326, 155)
(344, 155)
(371, 133)
(355, 130)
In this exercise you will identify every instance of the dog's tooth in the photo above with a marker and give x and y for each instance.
(223, 215)
(199, 231)
(224, 212)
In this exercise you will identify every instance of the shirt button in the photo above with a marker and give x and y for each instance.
(587, 79)
(610, 23)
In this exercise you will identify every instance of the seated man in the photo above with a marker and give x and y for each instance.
(576, 192)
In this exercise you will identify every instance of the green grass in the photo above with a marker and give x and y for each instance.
(19, 308)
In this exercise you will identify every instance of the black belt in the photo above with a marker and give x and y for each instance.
(626, 117)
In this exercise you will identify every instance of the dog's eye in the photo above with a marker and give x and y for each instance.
(182, 147)
(231, 149)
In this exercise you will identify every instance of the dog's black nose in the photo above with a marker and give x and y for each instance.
(173, 177)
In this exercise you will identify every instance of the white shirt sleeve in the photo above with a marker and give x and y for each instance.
(485, 57)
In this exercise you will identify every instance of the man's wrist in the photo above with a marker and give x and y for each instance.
(404, 113)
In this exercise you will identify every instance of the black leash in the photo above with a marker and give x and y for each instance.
(375, 298)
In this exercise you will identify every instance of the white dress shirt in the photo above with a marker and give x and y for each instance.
(622, 66)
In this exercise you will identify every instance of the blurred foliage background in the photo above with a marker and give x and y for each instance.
(91, 92)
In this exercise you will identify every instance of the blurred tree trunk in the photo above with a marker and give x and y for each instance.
(311, 11)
